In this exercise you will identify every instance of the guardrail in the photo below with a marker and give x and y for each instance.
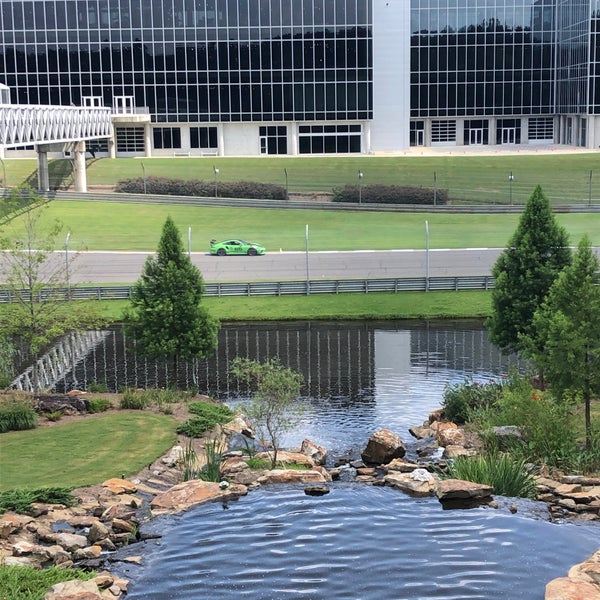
(278, 288)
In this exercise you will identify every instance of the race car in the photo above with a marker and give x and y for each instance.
(235, 247)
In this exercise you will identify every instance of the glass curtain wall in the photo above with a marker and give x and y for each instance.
(482, 57)
(194, 60)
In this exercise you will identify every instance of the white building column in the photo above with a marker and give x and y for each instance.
(293, 139)
(79, 175)
(43, 173)
(147, 140)
(221, 140)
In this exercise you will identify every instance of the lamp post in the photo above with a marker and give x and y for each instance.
(590, 191)
(216, 171)
(287, 189)
(144, 176)
(511, 178)
(360, 176)
(190, 242)
(67, 264)
(434, 188)
(3, 173)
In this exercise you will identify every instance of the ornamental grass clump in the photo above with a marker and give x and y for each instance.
(17, 415)
(508, 477)
(207, 416)
(20, 501)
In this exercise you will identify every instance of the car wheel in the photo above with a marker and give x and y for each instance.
(251, 251)
(221, 252)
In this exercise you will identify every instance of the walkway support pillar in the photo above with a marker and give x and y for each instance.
(43, 173)
(79, 175)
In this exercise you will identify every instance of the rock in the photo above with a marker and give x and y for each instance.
(316, 453)
(120, 486)
(286, 458)
(290, 476)
(450, 436)
(174, 457)
(398, 464)
(189, 493)
(9, 525)
(123, 526)
(454, 451)
(98, 531)
(74, 590)
(565, 588)
(455, 493)
(507, 436)
(383, 447)
(420, 484)
(88, 553)
(68, 405)
(436, 415)
(420, 433)
(316, 490)
(70, 541)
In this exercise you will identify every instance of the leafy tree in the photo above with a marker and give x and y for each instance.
(537, 252)
(565, 337)
(36, 278)
(166, 317)
(274, 409)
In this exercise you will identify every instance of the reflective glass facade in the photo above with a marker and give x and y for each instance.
(312, 76)
(193, 60)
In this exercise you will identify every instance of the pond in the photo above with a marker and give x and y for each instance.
(360, 541)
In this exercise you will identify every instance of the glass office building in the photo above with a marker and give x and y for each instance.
(251, 77)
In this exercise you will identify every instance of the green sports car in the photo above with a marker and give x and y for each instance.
(235, 247)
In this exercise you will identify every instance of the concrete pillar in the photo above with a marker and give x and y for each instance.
(221, 142)
(293, 150)
(43, 173)
(112, 143)
(147, 140)
(79, 175)
(367, 138)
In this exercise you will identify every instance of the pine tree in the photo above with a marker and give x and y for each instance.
(166, 317)
(565, 337)
(537, 252)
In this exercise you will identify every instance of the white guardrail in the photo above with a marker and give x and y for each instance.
(281, 288)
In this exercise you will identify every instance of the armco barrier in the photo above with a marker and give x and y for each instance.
(279, 288)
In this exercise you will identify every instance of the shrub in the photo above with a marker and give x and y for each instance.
(17, 416)
(508, 477)
(97, 387)
(207, 416)
(54, 416)
(98, 405)
(461, 400)
(200, 188)
(19, 582)
(20, 501)
(135, 400)
(389, 194)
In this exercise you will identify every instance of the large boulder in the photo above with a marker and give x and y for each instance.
(291, 476)
(419, 482)
(384, 445)
(456, 493)
(316, 453)
(189, 493)
(565, 588)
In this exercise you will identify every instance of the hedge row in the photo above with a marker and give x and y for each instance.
(198, 187)
(389, 194)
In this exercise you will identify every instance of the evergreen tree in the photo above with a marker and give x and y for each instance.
(565, 337)
(537, 252)
(166, 317)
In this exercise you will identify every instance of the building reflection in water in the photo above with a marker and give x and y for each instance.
(337, 359)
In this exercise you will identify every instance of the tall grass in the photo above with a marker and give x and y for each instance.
(17, 416)
(508, 476)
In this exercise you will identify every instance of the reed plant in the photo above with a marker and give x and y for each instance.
(508, 476)
(189, 462)
(214, 457)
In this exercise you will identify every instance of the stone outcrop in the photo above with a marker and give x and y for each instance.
(571, 497)
(383, 446)
(582, 583)
(190, 493)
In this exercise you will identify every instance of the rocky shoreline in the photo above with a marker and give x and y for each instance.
(111, 515)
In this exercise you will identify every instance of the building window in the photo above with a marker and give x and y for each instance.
(273, 140)
(417, 133)
(541, 129)
(508, 131)
(203, 137)
(166, 138)
(443, 132)
(130, 139)
(329, 139)
(476, 132)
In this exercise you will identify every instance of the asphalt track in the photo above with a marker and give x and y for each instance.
(125, 267)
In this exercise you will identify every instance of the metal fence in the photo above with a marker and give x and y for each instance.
(278, 288)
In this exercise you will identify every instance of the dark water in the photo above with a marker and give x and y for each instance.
(358, 542)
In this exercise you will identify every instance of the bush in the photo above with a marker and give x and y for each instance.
(54, 416)
(389, 194)
(19, 582)
(17, 416)
(20, 501)
(97, 387)
(208, 416)
(461, 400)
(508, 477)
(135, 400)
(200, 188)
(98, 405)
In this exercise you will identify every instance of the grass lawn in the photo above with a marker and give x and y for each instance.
(381, 305)
(84, 452)
(131, 227)
(565, 177)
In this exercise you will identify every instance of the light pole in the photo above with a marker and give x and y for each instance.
(426, 256)
(590, 191)
(144, 176)
(434, 188)
(3, 174)
(190, 242)
(511, 178)
(360, 176)
(216, 171)
(67, 264)
(307, 269)
(287, 189)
